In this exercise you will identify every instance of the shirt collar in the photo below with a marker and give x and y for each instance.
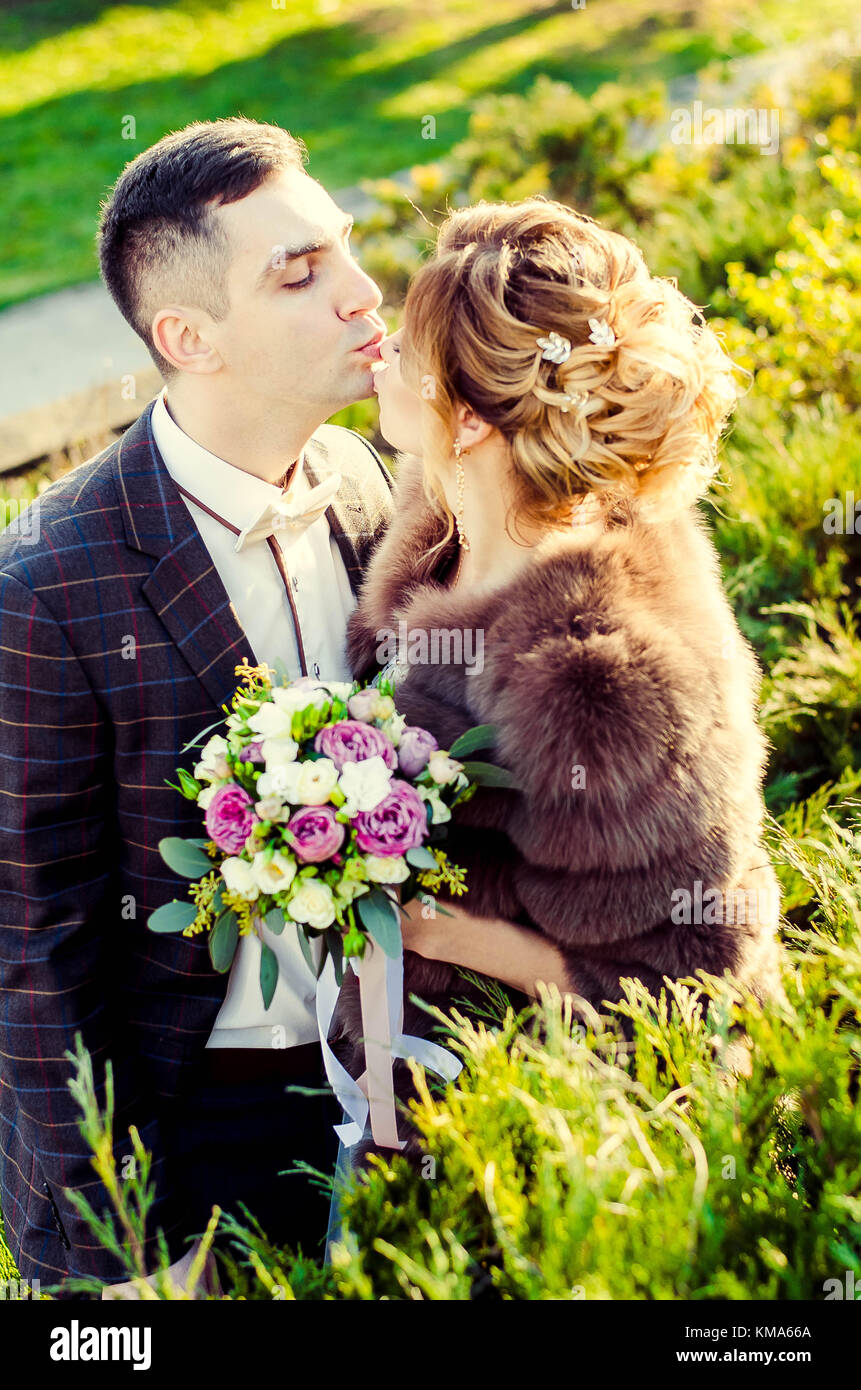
(237, 496)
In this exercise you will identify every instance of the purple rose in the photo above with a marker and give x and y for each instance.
(230, 818)
(397, 824)
(414, 749)
(252, 753)
(353, 742)
(316, 834)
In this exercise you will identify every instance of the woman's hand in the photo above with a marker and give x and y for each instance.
(518, 956)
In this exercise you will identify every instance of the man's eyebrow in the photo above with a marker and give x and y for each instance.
(285, 254)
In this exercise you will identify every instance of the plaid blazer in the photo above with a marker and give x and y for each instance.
(118, 644)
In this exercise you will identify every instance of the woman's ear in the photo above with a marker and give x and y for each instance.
(471, 429)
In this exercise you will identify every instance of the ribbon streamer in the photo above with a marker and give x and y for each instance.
(381, 993)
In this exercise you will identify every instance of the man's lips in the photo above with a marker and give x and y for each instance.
(372, 347)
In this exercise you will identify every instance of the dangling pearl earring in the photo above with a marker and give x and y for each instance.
(459, 451)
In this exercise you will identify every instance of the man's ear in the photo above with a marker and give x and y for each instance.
(471, 428)
(179, 334)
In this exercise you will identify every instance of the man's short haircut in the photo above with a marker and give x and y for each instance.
(158, 241)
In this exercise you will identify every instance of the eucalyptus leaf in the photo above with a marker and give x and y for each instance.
(174, 916)
(223, 940)
(184, 857)
(275, 920)
(336, 951)
(268, 973)
(305, 947)
(421, 858)
(481, 736)
(381, 919)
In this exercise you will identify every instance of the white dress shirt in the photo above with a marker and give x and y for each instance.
(324, 602)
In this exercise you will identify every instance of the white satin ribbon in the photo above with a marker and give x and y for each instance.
(381, 989)
(291, 515)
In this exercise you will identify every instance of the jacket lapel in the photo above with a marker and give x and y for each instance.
(184, 588)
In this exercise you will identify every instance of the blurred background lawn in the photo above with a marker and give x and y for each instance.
(538, 98)
(354, 78)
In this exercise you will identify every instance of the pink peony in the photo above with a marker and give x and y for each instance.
(315, 834)
(353, 742)
(230, 818)
(397, 824)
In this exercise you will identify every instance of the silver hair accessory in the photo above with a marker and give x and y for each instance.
(601, 333)
(554, 348)
(577, 399)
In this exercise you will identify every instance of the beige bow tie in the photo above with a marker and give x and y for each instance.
(290, 516)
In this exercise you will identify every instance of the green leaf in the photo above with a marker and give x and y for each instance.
(421, 858)
(481, 736)
(184, 857)
(275, 920)
(381, 919)
(336, 951)
(305, 947)
(268, 973)
(197, 740)
(489, 775)
(174, 916)
(223, 940)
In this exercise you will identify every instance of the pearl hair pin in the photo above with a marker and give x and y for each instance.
(601, 333)
(554, 348)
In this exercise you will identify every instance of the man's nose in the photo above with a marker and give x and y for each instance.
(360, 294)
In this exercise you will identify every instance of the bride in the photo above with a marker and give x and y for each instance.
(557, 411)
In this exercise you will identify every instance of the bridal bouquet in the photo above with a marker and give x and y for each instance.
(319, 803)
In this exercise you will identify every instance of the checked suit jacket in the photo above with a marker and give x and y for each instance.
(118, 645)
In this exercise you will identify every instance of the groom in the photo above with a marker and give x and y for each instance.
(151, 572)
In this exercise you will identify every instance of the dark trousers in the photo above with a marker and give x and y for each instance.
(230, 1142)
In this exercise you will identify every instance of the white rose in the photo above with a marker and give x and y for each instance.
(278, 750)
(274, 874)
(317, 779)
(383, 868)
(341, 689)
(212, 764)
(291, 701)
(271, 721)
(206, 796)
(281, 781)
(239, 877)
(312, 903)
(364, 784)
(439, 811)
(442, 768)
(270, 807)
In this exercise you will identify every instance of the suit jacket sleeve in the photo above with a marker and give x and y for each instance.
(60, 921)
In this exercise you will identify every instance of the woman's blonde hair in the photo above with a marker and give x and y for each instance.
(644, 405)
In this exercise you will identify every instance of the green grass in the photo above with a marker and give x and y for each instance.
(354, 78)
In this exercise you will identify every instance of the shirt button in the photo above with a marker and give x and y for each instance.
(316, 669)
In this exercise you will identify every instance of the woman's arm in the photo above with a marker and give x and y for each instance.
(518, 956)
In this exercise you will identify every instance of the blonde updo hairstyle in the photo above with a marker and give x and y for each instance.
(657, 389)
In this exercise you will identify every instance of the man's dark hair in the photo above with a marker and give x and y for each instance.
(157, 235)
